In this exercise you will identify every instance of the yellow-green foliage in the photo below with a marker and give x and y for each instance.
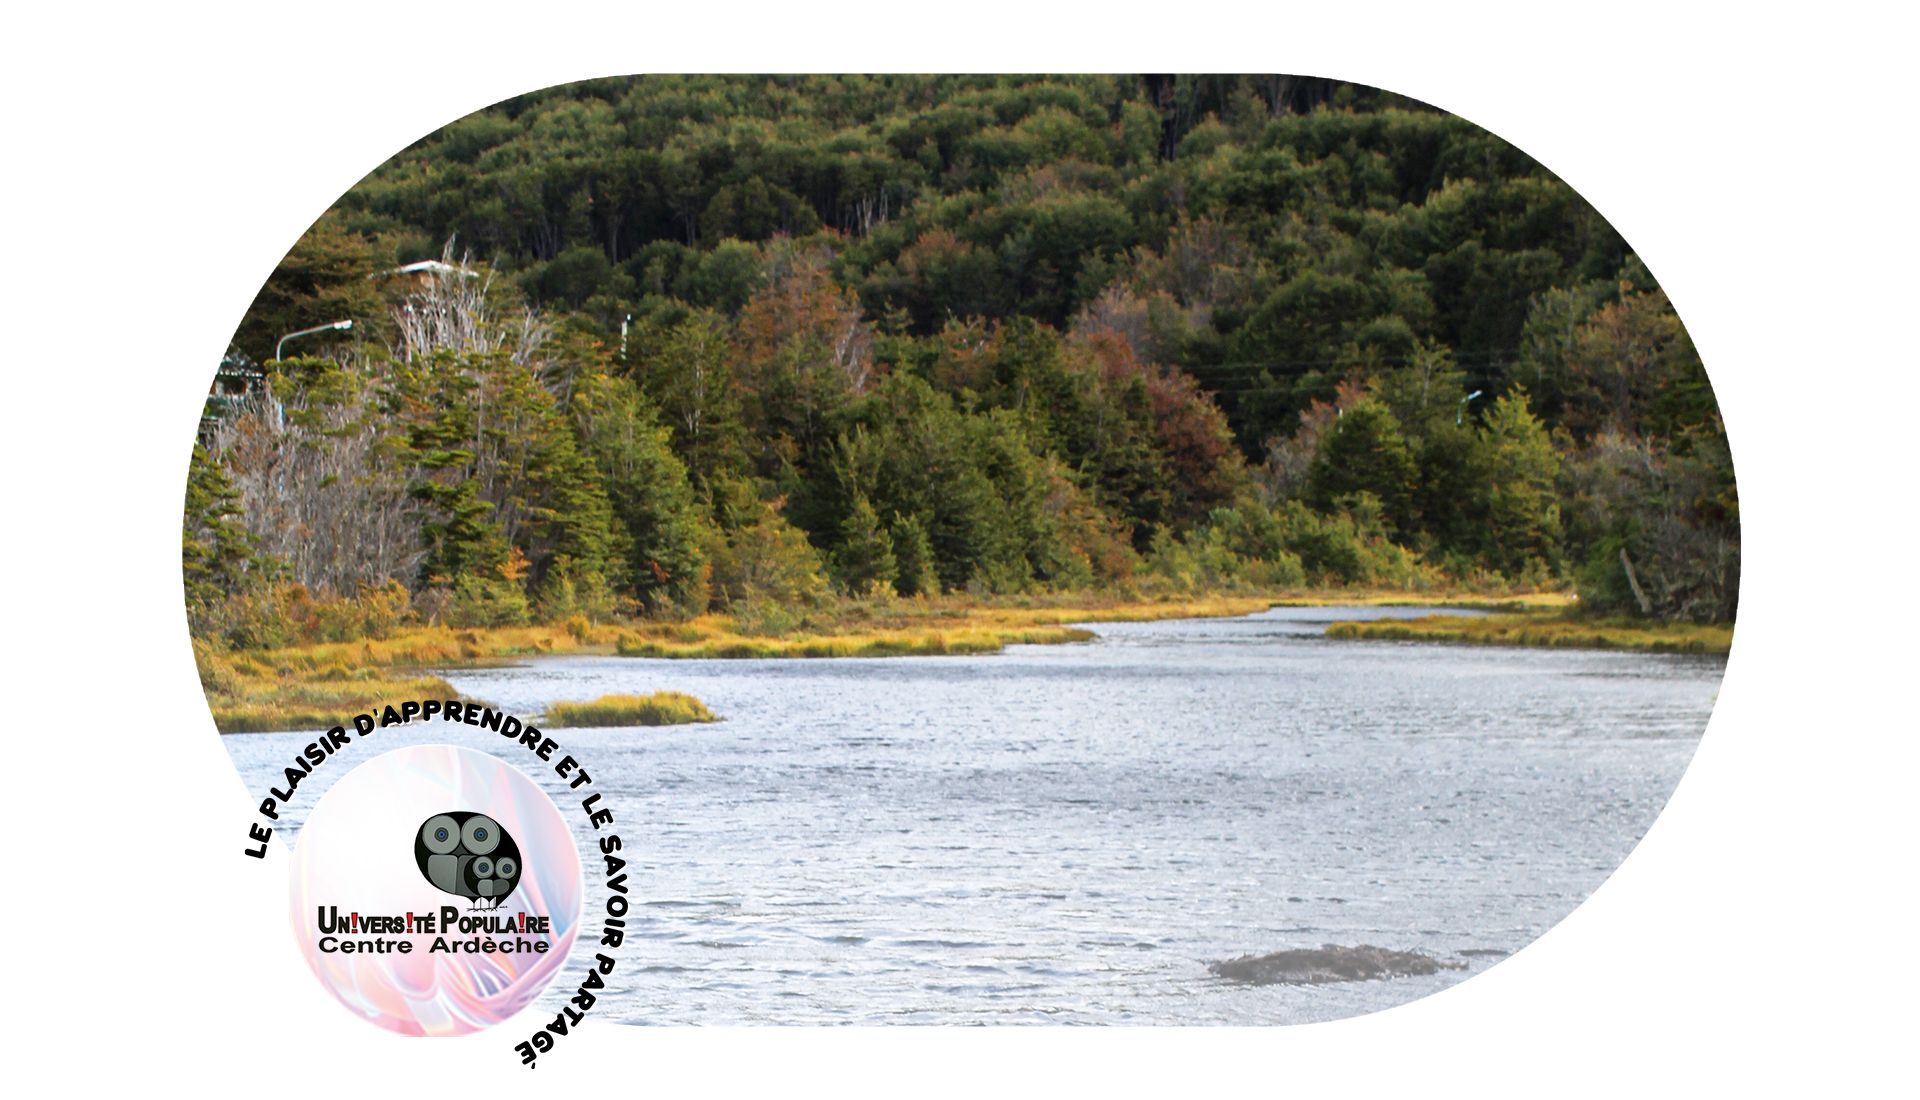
(1545, 629)
(662, 708)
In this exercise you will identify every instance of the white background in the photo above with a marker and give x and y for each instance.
(160, 160)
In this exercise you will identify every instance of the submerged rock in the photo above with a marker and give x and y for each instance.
(1329, 963)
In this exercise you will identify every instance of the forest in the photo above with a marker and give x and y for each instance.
(646, 349)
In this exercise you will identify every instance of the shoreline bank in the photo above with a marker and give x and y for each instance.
(1545, 630)
(310, 685)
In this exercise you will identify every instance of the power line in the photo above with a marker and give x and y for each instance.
(1385, 360)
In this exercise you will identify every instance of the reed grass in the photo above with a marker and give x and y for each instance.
(264, 704)
(900, 643)
(1545, 629)
(1523, 601)
(662, 708)
(920, 627)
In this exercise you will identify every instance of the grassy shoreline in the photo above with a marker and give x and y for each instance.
(318, 685)
(1545, 630)
(662, 708)
(919, 628)
(1526, 601)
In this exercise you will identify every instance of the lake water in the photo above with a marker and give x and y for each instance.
(1069, 834)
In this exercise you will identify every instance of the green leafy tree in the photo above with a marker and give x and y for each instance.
(864, 562)
(804, 352)
(1630, 367)
(503, 473)
(766, 561)
(1364, 452)
(218, 557)
(686, 370)
(322, 279)
(1522, 528)
(755, 210)
(572, 277)
(651, 497)
(914, 574)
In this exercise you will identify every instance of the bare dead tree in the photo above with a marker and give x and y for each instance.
(455, 310)
(1287, 469)
(1144, 321)
(1686, 561)
(871, 208)
(852, 349)
(320, 492)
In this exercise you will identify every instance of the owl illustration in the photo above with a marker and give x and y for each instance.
(468, 855)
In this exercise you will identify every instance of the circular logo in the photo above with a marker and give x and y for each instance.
(436, 890)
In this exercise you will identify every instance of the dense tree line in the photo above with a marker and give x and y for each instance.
(743, 343)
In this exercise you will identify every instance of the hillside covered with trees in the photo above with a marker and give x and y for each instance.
(757, 345)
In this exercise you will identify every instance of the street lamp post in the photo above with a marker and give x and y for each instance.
(340, 325)
(1461, 415)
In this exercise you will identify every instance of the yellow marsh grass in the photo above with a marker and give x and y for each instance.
(319, 685)
(1546, 630)
(920, 628)
(662, 708)
(431, 647)
(254, 691)
(256, 705)
(1523, 601)
(920, 643)
(943, 625)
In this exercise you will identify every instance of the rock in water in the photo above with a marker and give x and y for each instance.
(1328, 963)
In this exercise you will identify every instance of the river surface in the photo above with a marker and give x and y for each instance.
(1070, 833)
